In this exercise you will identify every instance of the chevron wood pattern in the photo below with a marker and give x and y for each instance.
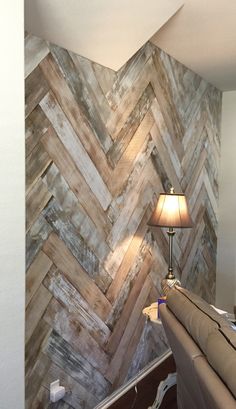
(100, 146)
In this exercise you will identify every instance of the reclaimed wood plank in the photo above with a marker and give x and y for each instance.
(131, 125)
(166, 138)
(75, 243)
(42, 401)
(132, 154)
(122, 352)
(36, 88)
(128, 283)
(68, 327)
(36, 163)
(132, 95)
(74, 113)
(67, 167)
(128, 260)
(62, 225)
(163, 94)
(36, 200)
(162, 161)
(35, 50)
(105, 77)
(136, 202)
(75, 148)
(35, 238)
(35, 310)
(120, 326)
(121, 375)
(63, 355)
(36, 125)
(35, 344)
(66, 262)
(67, 200)
(128, 74)
(34, 379)
(92, 86)
(68, 296)
(81, 94)
(77, 396)
(35, 274)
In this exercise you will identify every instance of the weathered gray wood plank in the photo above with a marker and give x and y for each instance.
(76, 366)
(35, 50)
(62, 225)
(35, 238)
(72, 143)
(68, 326)
(66, 294)
(81, 94)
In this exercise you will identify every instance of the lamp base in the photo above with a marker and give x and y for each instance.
(168, 283)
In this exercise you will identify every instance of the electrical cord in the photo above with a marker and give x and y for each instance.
(135, 397)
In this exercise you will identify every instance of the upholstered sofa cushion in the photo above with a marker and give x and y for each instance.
(208, 374)
(215, 392)
(221, 355)
(197, 316)
(229, 333)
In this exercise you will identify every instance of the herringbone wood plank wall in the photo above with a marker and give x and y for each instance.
(100, 146)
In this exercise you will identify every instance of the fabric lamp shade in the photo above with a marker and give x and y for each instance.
(171, 211)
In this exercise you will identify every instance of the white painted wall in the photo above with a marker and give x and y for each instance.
(11, 206)
(226, 257)
(108, 32)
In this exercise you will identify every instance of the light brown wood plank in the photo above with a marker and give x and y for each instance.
(129, 258)
(120, 326)
(36, 125)
(66, 262)
(36, 200)
(35, 345)
(71, 299)
(35, 88)
(122, 352)
(35, 274)
(35, 378)
(36, 163)
(35, 310)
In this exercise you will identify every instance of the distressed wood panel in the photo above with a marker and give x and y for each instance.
(100, 146)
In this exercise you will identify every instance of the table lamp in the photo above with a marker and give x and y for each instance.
(172, 212)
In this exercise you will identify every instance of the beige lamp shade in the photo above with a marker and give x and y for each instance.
(171, 211)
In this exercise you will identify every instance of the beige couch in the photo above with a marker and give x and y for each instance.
(204, 348)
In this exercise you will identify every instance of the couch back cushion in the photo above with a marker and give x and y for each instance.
(196, 315)
(221, 355)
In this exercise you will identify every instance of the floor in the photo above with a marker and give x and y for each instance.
(147, 389)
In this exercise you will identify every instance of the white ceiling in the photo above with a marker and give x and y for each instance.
(202, 35)
(106, 31)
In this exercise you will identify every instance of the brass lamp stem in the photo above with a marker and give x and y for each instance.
(171, 234)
